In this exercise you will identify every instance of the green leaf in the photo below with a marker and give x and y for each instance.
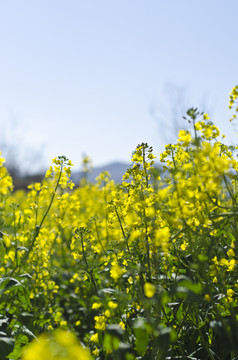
(6, 346)
(111, 342)
(195, 288)
(8, 283)
(202, 258)
(20, 248)
(141, 332)
(26, 275)
(18, 347)
(24, 296)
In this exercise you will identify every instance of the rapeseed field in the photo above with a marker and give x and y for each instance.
(144, 269)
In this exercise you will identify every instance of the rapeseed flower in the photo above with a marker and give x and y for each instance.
(149, 289)
(60, 345)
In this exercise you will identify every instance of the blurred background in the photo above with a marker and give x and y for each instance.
(99, 77)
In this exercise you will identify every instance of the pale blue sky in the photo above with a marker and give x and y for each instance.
(82, 76)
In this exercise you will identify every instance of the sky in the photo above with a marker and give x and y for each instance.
(98, 77)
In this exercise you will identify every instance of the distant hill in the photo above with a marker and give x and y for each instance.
(116, 170)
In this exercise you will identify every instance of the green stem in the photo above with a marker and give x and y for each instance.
(98, 237)
(144, 167)
(205, 344)
(89, 271)
(122, 230)
(38, 227)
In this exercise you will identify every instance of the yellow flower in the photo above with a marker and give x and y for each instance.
(60, 345)
(162, 237)
(6, 240)
(94, 338)
(207, 297)
(149, 289)
(130, 280)
(96, 305)
(116, 272)
(230, 253)
(108, 313)
(231, 265)
(185, 137)
(112, 305)
(230, 292)
(95, 352)
(206, 117)
(184, 246)
(100, 322)
(122, 325)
